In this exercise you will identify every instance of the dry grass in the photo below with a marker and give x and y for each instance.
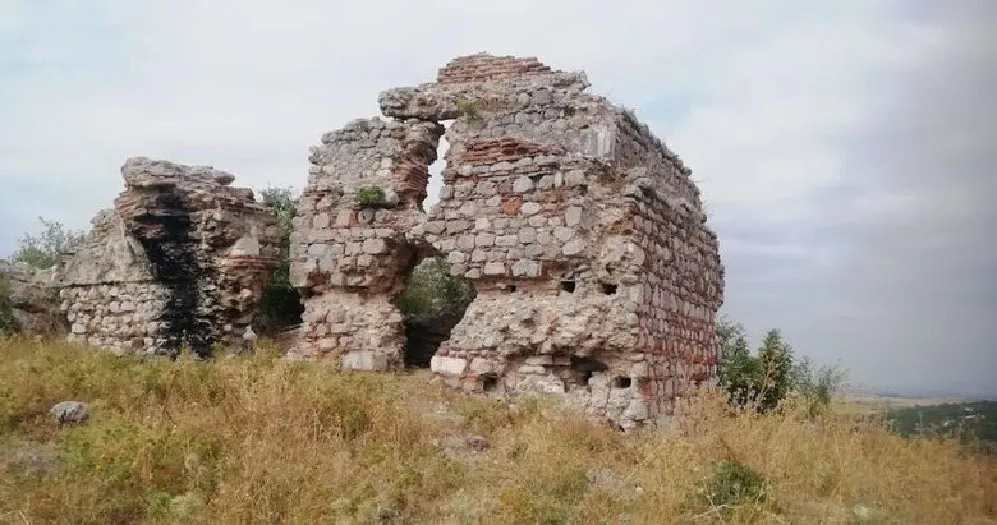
(265, 440)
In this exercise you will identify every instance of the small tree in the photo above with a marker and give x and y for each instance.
(48, 248)
(765, 379)
(738, 371)
(816, 386)
(280, 305)
(432, 292)
(775, 360)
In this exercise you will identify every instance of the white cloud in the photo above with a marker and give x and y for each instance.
(763, 100)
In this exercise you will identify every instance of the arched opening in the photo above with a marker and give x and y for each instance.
(432, 303)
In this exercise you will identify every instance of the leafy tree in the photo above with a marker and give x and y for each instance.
(432, 292)
(763, 380)
(775, 359)
(280, 306)
(48, 248)
(815, 385)
(738, 370)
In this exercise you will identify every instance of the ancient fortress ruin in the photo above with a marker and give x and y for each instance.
(596, 276)
(182, 258)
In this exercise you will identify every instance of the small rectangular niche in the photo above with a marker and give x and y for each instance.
(622, 382)
(608, 289)
(568, 286)
(489, 383)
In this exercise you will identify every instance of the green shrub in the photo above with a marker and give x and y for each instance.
(763, 380)
(369, 196)
(734, 483)
(469, 110)
(816, 386)
(49, 247)
(7, 322)
(280, 306)
(431, 291)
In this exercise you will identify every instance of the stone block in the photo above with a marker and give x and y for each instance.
(365, 360)
(448, 365)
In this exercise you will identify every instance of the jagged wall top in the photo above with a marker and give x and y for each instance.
(531, 101)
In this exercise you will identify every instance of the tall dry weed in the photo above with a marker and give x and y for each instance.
(259, 439)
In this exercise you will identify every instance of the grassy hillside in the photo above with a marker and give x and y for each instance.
(265, 440)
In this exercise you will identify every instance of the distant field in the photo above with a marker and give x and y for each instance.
(864, 403)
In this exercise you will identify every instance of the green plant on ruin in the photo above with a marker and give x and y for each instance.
(369, 196)
(469, 110)
(280, 305)
(48, 248)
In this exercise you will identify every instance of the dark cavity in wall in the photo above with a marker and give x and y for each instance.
(171, 252)
(432, 303)
(582, 369)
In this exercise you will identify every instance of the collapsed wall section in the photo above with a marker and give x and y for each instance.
(351, 247)
(183, 258)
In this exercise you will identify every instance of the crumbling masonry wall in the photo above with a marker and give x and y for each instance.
(182, 258)
(350, 260)
(583, 235)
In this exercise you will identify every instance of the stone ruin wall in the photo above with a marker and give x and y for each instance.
(583, 235)
(33, 299)
(349, 261)
(182, 258)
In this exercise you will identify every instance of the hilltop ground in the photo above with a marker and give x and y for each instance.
(265, 440)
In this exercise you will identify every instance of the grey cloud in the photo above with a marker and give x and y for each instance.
(921, 281)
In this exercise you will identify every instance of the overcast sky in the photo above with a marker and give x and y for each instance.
(845, 149)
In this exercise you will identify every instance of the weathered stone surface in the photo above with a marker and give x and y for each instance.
(69, 413)
(34, 299)
(182, 258)
(583, 234)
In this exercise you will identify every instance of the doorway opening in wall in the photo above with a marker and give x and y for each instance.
(432, 303)
(436, 169)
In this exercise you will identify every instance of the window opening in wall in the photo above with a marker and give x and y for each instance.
(621, 382)
(436, 169)
(582, 369)
(432, 303)
(489, 383)
(568, 286)
(608, 289)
